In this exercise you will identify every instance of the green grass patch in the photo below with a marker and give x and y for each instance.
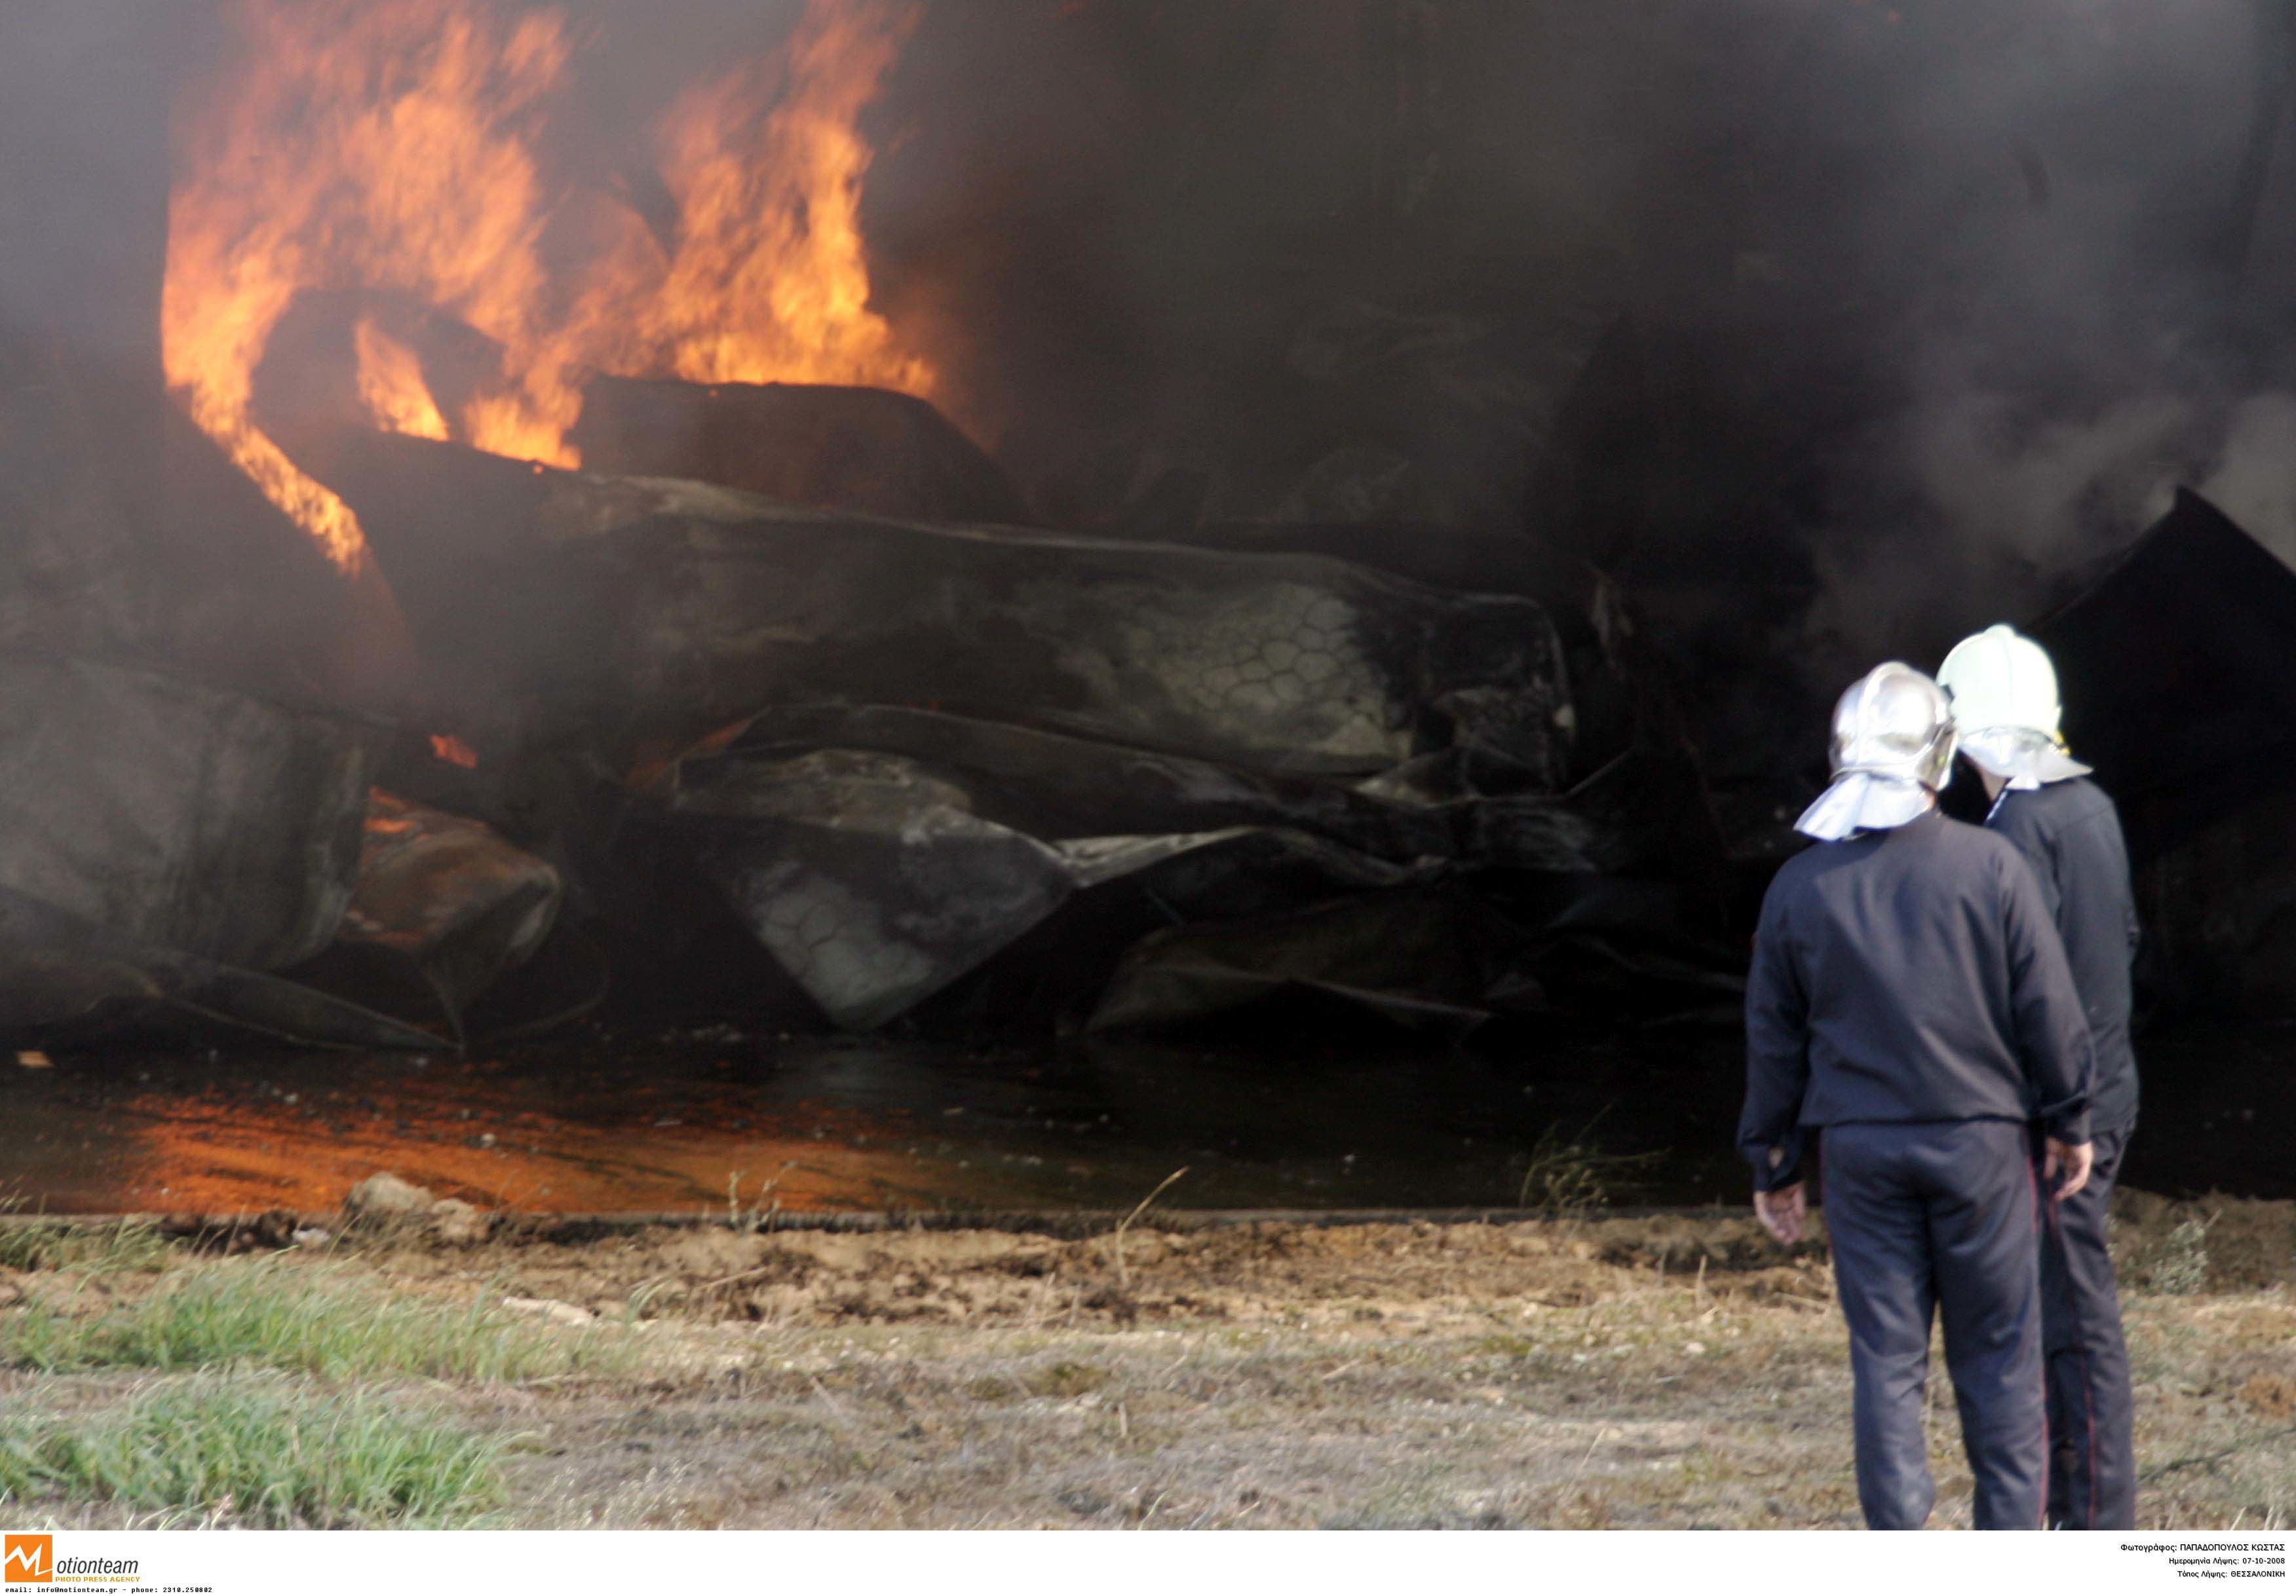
(304, 1318)
(120, 1247)
(256, 1455)
(1068, 1379)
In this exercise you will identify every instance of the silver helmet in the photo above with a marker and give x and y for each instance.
(1894, 723)
(1892, 752)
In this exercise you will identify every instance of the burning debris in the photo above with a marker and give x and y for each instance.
(392, 146)
(447, 898)
(562, 560)
(946, 736)
(650, 608)
(341, 360)
(863, 449)
(787, 644)
(896, 750)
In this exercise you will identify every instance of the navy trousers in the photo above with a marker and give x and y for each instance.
(2092, 1451)
(1940, 1218)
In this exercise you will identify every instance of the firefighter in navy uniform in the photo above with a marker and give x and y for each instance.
(2004, 692)
(1910, 1007)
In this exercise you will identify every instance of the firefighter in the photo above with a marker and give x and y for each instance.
(2004, 692)
(1910, 1009)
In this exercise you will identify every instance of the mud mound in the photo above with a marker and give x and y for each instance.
(1243, 1272)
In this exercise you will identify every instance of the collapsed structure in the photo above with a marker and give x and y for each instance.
(791, 699)
(893, 749)
(1003, 775)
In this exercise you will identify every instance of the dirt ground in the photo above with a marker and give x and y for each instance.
(1666, 1371)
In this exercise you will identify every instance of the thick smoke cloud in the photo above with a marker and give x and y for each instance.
(2047, 263)
(84, 173)
(1942, 293)
(1937, 298)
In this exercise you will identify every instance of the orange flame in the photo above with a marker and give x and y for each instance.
(391, 144)
(449, 749)
(770, 283)
(390, 384)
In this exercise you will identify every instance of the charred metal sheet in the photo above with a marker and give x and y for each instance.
(862, 449)
(176, 815)
(1053, 786)
(653, 609)
(1275, 872)
(1438, 955)
(72, 571)
(873, 884)
(251, 599)
(450, 897)
(1422, 957)
(887, 851)
(74, 983)
(868, 450)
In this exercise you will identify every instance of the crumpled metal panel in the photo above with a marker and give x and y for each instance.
(1053, 785)
(75, 982)
(1422, 957)
(450, 896)
(658, 609)
(74, 573)
(1429, 955)
(823, 445)
(841, 448)
(872, 882)
(173, 814)
(879, 852)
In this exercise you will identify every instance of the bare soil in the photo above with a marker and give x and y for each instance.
(1669, 1371)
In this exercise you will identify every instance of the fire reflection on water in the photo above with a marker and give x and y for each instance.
(251, 1157)
(261, 1145)
(598, 1122)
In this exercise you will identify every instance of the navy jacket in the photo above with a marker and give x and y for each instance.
(1908, 975)
(2069, 833)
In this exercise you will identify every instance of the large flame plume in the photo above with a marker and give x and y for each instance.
(395, 144)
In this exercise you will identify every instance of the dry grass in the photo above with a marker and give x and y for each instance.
(1580, 1372)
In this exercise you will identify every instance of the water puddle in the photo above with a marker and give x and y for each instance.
(663, 1123)
(598, 1122)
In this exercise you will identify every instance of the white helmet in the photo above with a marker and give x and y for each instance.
(1893, 741)
(2004, 701)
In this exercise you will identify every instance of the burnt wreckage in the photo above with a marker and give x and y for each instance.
(922, 768)
(999, 774)
(790, 703)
